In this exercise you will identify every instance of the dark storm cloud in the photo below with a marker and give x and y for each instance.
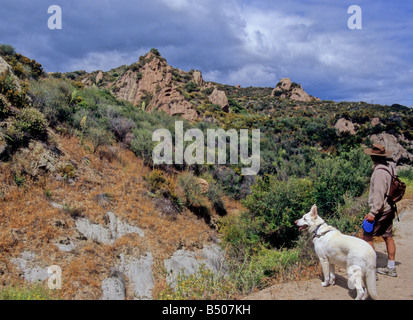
(252, 43)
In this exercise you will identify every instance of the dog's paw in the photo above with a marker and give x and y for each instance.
(325, 284)
(332, 281)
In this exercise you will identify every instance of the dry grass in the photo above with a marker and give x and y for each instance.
(29, 222)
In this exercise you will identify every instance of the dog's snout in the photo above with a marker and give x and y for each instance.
(296, 221)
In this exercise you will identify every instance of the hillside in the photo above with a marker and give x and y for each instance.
(80, 189)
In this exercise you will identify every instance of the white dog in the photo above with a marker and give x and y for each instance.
(332, 247)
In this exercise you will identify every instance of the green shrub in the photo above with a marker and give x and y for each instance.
(142, 144)
(28, 124)
(99, 137)
(191, 86)
(274, 205)
(4, 108)
(202, 285)
(334, 178)
(192, 190)
(349, 215)
(52, 97)
(215, 196)
(7, 50)
(32, 122)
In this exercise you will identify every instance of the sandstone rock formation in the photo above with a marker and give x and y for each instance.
(293, 91)
(399, 154)
(153, 81)
(344, 125)
(99, 76)
(375, 121)
(197, 75)
(220, 98)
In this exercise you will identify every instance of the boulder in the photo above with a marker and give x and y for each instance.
(399, 154)
(113, 288)
(285, 89)
(197, 75)
(344, 125)
(375, 121)
(284, 84)
(30, 268)
(139, 273)
(203, 184)
(220, 98)
(188, 262)
(99, 76)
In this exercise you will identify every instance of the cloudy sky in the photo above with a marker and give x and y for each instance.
(252, 43)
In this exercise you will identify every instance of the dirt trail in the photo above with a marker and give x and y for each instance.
(400, 288)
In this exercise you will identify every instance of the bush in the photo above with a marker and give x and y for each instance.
(142, 144)
(334, 178)
(215, 196)
(7, 50)
(191, 86)
(192, 190)
(4, 108)
(99, 137)
(31, 122)
(52, 97)
(28, 124)
(274, 205)
(121, 126)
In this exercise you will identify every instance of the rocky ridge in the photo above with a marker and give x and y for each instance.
(293, 91)
(152, 84)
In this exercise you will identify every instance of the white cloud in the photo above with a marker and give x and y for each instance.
(104, 60)
(260, 74)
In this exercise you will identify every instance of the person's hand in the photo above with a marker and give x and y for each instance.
(369, 218)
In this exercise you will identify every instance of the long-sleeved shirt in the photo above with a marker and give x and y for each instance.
(379, 187)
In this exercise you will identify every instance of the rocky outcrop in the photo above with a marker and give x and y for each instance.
(106, 235)
(99, 76)
(30, 266)
(188, 262)
(286, 89)
(197, 75)
(375, 122)
(220, 98)
(152, 80)
(399, 154)
(344, 125)
(5, 68)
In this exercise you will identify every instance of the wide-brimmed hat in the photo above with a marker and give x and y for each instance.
(377, 150)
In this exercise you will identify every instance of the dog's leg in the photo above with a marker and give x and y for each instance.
(332, 279)
(325, 265)
(356, 279)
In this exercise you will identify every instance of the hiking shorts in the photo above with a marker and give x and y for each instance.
(383, 225)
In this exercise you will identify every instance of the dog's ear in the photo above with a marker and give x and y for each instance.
(314, 211)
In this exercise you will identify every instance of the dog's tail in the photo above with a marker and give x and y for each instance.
(371, 283)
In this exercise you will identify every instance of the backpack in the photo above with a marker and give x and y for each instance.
(396, 190)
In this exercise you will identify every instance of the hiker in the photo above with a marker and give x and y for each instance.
(380, 210)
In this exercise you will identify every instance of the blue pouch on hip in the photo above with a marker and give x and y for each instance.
(368, 226)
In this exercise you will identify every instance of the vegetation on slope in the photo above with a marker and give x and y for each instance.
(304, 160)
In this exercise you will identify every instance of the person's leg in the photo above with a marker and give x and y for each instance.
(369, 240)
(391, 248)
(390, 270)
